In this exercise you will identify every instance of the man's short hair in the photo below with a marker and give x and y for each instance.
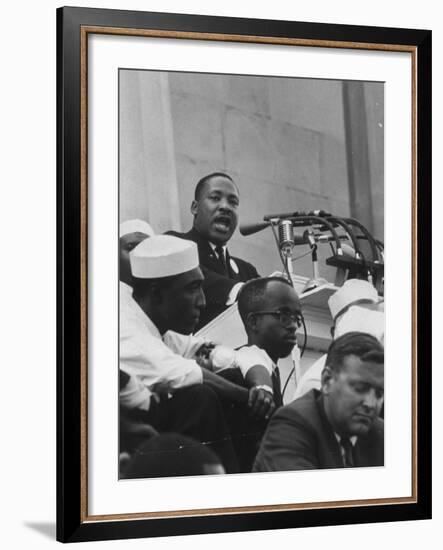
(252, 293)
(201, 184)
(365, 346)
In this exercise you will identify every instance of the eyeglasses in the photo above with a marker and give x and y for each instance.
(286, 318)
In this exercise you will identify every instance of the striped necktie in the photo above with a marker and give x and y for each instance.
(348, 448)
(221, 258)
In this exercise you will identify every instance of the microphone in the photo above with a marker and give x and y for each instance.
(286, 237)
(251, 228)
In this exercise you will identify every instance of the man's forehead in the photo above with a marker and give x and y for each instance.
(282, 295)
(195, 275)
(355, 366)
(221, 183)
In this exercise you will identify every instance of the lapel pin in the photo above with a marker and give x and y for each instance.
(234, 266)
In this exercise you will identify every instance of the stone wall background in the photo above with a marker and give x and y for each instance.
(285, 141)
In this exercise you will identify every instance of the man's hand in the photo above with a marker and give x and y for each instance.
(203, 355)
(261, 402)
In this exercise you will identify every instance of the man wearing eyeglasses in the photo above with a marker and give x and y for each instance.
(271, 313)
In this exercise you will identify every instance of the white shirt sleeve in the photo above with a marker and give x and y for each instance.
(250, 356)
(185, 345)
(158, 367)
(135, 395)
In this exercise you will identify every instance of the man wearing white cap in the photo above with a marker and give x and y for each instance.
(168, 296)
(355, 306)
(132, 232)
(139, 406)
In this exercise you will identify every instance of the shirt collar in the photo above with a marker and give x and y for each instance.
(214, 246)
(352, 439)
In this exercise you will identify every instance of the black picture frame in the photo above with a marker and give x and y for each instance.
(72, 521)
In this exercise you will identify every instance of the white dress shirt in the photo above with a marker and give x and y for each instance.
(135, 395)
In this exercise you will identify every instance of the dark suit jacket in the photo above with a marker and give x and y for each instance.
(217, 285)
(299, 437)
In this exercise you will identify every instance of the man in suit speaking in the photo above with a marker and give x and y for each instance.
(215, 211)
(339, 426)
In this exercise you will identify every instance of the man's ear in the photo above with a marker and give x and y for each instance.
(194, 207)
(327, 377)
(251, 322)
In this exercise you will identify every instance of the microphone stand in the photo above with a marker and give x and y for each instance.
(358, 253)
(316, 280)
(286, 254)
(322, 221)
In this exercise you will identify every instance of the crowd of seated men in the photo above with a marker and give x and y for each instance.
(183, 411)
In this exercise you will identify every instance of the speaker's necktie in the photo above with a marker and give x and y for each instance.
(221, 258)
(348, 457)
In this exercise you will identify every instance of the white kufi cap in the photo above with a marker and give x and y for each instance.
(360, 319)
(163, 256)
(353, 291)
(136, 226)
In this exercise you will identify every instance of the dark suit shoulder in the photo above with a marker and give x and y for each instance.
(305, 407)
(290, 441)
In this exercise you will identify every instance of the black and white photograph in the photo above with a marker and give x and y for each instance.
(251, 273)
(217, 221)
(228, 192)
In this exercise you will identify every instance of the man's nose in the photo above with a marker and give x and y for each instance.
(224, 204)
(201, 299)
(292, 324)
(371, 399)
